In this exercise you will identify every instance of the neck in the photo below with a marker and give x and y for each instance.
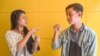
(76, 27)
(19, 29)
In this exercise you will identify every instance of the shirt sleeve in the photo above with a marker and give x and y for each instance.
(93, 46)
(58, 43)
(12, 44)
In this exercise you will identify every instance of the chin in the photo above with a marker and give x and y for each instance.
(24, 25)
(70, 23)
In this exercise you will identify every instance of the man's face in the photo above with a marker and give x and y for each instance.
(73, 17)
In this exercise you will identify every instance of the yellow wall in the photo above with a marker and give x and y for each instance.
(44, 14)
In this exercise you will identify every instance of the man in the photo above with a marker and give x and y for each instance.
(78, 39)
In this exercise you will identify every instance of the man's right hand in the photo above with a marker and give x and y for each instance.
(57, 28)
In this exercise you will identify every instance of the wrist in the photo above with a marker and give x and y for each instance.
(29, 33)
(56, 32)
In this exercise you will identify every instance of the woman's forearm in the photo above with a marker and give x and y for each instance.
(23, 42)
(35, 46)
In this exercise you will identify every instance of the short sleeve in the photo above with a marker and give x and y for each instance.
(12, 44)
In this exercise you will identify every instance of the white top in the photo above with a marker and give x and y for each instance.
(12, 39)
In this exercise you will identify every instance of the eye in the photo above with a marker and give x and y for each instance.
(70, 15)
(24, 17)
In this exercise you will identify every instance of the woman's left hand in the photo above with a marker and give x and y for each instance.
(37, 39)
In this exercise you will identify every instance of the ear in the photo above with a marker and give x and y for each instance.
(80, 14)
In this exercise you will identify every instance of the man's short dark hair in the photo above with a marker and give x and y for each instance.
(76, 6)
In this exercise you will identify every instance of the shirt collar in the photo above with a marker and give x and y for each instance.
(81, 29)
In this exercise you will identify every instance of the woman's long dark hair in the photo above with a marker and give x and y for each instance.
(14, 22)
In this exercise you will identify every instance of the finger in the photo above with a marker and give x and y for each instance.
(56, 25)
(35, 30)
(37, 38)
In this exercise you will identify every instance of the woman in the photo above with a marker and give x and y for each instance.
(19, 38)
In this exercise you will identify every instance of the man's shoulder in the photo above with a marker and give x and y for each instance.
(65, 30)
(89, 30)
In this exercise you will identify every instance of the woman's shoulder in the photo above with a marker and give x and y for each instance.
(10, 33)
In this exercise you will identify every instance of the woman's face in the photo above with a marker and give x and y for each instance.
(22, 20)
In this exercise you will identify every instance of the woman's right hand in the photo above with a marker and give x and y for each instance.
(33, 30)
